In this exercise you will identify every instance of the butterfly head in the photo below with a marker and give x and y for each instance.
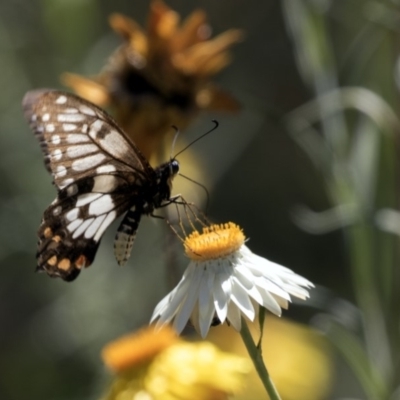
(173, 167)
(165, 174)
(171, 170)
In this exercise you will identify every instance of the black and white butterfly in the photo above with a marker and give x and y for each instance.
(99, 173)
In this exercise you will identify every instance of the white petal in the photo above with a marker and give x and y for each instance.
(183, 314)
(206, 319)
(206, 304)
(247, 284)
(172, 307)
(255, 294)
(241, 298)
(194, 318)
(222, 292)
(162, 305)
(246, 276)
(272, 287)
(169, 306)
(297, 291)
(234, 316)
(269, 302)
(282, 302)
(226, 284)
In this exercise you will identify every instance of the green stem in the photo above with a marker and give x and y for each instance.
(256, 356)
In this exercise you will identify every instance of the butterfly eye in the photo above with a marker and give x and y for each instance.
(174, 167)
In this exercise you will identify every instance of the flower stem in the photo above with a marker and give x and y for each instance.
(256, 356)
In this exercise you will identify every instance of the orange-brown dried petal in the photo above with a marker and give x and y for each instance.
(140, 347)
(87, 88)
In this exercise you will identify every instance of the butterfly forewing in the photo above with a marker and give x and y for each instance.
(99, 173)
(79, 139)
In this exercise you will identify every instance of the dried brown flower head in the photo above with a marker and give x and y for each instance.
(160, 76)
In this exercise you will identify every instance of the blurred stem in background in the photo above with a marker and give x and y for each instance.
(349, 134)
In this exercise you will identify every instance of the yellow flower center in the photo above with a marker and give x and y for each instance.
(216, 241)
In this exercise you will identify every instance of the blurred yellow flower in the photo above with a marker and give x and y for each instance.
(135, 349)
(298, 359)
(160, 76)
(196, 371)
(156, 365)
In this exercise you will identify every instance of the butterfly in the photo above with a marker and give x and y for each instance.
(99, 173)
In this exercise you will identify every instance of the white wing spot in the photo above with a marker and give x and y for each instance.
(69, 127)
(104, 183)
(110, 218)
(81, 150)
(50, 128)
(57, 211)
(73, 138)
(74, 224)
(101, 206)
(72, 215)
(94, 227)
(70, 117)
(116, 144)
(61, 171)
(70, 110)
(86, 198)
(88, 162)
(72, 190)
(94, 128)
(55, 139)
(84, 128)
(65, 183)
(57, 154)
(87, 110)
(61, 100)
(82, 228)
(46, 117)
(34, 118)
(106, 168)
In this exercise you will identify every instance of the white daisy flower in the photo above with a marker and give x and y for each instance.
(225, 279)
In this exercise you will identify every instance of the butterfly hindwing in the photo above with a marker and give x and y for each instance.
(74, 223)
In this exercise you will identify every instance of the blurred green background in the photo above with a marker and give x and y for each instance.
(51, 332)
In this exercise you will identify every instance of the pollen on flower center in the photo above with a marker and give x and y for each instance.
(215, 241)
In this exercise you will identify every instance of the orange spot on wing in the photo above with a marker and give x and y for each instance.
(52, 261)
(81, 262)
(48, 233)
(64, 264)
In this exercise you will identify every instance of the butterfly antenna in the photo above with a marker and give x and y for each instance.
(177, 132)
(216, 125)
